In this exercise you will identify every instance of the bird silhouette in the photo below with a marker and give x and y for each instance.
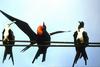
(42, 35)
(39, 38)
(7, 36)
(81, 41)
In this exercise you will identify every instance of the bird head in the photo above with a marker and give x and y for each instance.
(41, 29)
(44, 26)
(81, 24)
(10, 24)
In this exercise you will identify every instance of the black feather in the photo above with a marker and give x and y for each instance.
(22, 25)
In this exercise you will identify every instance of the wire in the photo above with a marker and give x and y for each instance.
(50, 45)
(20, 45)
(51, 42)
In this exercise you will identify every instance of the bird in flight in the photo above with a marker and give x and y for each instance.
(7, 36)
(81, 41)
(39, 38)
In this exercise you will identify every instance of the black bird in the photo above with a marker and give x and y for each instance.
(81, 41)
(8, 35)
(34, 38)
(42, 35)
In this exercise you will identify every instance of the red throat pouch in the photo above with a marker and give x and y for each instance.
(40, 30)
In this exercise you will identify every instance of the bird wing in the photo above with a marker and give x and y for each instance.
(56, 32)
(22, 25)
(75, 36)
(86, 38)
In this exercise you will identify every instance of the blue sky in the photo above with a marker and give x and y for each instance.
(57, 15)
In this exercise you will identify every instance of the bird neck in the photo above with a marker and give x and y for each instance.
(80, 30)
(6, 33)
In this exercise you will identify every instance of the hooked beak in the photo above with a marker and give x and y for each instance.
(10, 24)
(44, 26)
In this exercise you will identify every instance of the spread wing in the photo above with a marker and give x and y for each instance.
(22, 25)
(56, 32)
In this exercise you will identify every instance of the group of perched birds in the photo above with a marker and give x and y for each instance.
(42, 38)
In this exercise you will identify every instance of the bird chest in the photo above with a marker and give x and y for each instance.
(80, 37)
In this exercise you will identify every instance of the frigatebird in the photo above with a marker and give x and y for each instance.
(81, 41)
(7, 36)
(36, 38)
(42, 35)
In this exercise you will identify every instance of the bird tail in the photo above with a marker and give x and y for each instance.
(26, 48)
(56, 32)
(5, 55)
(11, 56)
(80, 56)
(76, 59)
(36, 56)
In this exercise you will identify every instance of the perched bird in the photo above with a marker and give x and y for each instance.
(7, 36)
(81, 41)
(42, 36)
(39, 38)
